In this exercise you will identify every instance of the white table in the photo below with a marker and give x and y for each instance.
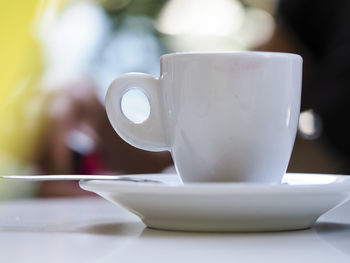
(94, 230)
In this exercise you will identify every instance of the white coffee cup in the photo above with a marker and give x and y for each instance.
(224, 116)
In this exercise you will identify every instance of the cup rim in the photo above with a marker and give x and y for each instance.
(265, 54)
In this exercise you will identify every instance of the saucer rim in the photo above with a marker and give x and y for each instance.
(341, 184)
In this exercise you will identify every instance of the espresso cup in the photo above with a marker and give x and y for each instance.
(224, 116)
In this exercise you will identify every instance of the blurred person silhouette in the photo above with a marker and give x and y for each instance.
(319, 31)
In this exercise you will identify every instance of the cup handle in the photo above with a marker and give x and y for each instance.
(149, 135)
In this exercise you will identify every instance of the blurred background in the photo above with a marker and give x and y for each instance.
(58, 57)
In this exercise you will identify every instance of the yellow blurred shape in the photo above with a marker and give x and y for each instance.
(20, 68)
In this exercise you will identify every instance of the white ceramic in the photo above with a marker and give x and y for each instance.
(229, 116)
(295, 204)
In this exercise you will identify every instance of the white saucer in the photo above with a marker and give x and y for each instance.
(295, 204)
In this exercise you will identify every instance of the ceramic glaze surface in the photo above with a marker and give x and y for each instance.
(229, 116)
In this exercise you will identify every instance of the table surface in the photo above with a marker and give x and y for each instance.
(94, 230)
